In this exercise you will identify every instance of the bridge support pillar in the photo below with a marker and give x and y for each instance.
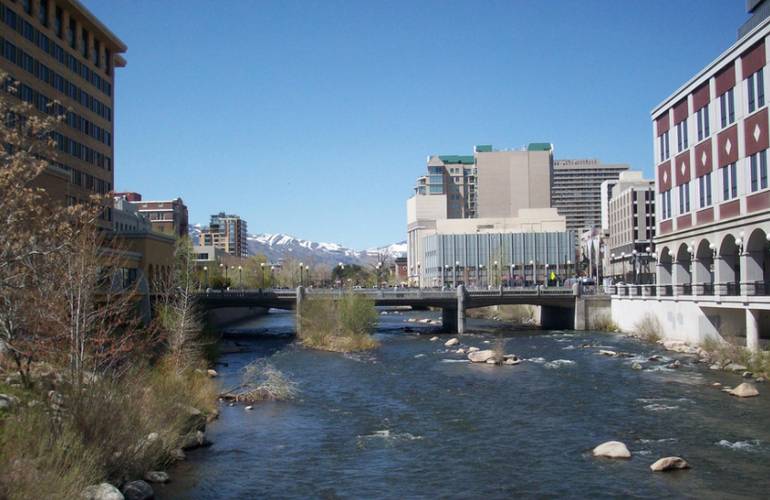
(449, 320)
(461, 302)
(580, 322)
(298, 309)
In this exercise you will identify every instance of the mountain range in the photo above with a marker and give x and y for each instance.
(283, 246)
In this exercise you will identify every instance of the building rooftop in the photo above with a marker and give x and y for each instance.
(540, 146)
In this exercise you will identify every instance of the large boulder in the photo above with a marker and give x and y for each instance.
(735, 367)
(104, 491)
(669, 463)
(473, 349)
(156, 476)
(451, 342)
(745, 390)
(194, 440)
(138, 490)
(481, 356)
(612, 449)
(195, 419)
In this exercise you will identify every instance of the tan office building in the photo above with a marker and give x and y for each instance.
(57, 50)
(490, 183)
(227, 233)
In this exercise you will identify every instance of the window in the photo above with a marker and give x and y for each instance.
(71, 34)
(684, 198)
(704, 190)
(727, 108)
(729, 182)
(702, 116)
(58, 21)
(681, 136)
(664, 151)
(665, 203)
(27, 4)
(758, 167)
(756, 90)
(42, 12)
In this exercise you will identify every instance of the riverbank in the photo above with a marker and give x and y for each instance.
(414, 418)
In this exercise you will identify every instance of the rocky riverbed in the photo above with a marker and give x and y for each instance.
(417, 418)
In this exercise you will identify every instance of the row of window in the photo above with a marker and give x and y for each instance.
(41, 40)
(81, 151)
(45, 105)
(757, 167)
(54, 79)
(755, 92)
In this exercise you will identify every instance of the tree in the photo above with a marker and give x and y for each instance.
(177, 312)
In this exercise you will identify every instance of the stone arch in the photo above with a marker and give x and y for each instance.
(756, 275)
(682, 271)
(703, 268)
(727, 267)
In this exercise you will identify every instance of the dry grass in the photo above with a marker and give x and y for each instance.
(603, 322)
(518, 314)
(342, 325)
(730, 351)
(262, 381)
(648, 328)
(111, 429)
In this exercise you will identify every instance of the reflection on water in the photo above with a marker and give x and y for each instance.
(412, 419)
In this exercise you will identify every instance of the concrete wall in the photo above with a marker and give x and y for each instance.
(680, 320)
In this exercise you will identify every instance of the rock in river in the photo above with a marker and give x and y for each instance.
(473, 349)
(612, 449)
(104, 491)
(481, 356)
(433, 339)
(138, 490)
(669, 463)
(156, 476)
(451, 342)
(745, 390)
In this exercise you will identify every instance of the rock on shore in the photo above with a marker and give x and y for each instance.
(612, 449)
(669, 463)
(745, 390)
(138, 490)
(103, 491)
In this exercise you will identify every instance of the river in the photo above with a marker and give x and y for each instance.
(412, 420)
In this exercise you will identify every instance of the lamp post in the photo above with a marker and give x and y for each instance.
(532, 263)
(480, 276)
(419, 276)
(612, 261)
(547, 276)
(379, 269)
(206, 276)
(496, 274)
(240, 277)
(457, 270)
(623, 264)
(262, 278)
(569, 265)
(301, 278)
(342, 269)
(444, 274)
(510, 275)
(648, 251)
(272, 270)
(636, 265)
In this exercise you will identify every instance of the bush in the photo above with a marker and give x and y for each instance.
(648, 328)
(603, 322)
(341, 325)
(262, 381)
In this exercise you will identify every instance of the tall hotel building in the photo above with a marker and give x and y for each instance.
(57, 50)
(713, 197)
(576, 190)
(228, 233)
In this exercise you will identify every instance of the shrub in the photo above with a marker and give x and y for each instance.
(341, 325)
(262, 381)
(648, 328)
(603, 322)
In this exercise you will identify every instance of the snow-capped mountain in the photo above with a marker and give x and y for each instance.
(283, 246)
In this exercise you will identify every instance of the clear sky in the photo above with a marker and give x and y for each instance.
(314, 118)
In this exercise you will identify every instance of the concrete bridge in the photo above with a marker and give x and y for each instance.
(561, 307)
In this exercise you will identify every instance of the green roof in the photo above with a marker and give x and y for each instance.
(483, 148)
(539, 146)
(464, 159)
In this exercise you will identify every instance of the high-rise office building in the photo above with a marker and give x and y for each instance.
(490, 183)
(576, 191)
(228, 233)
(58, 51)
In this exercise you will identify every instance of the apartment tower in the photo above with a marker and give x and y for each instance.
(57, 50)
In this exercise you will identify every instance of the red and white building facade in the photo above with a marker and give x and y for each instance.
(711, 140)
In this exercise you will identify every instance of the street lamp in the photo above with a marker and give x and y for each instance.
(446, 272)
(379, 269)
(496, 274)
(547, 276)
(569, 264)
(636, 264)
(206, 276)
(419, 276)
(532, 263)
(510, 275)
(272, 269)
(612, 261)
(262, 279)
(457, 270)
(342, 269)
(225, 267)
(301, 282)
(240, 277)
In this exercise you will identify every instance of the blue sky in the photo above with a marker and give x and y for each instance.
(314, 118)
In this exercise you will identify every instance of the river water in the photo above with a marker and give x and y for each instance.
(413, 420)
